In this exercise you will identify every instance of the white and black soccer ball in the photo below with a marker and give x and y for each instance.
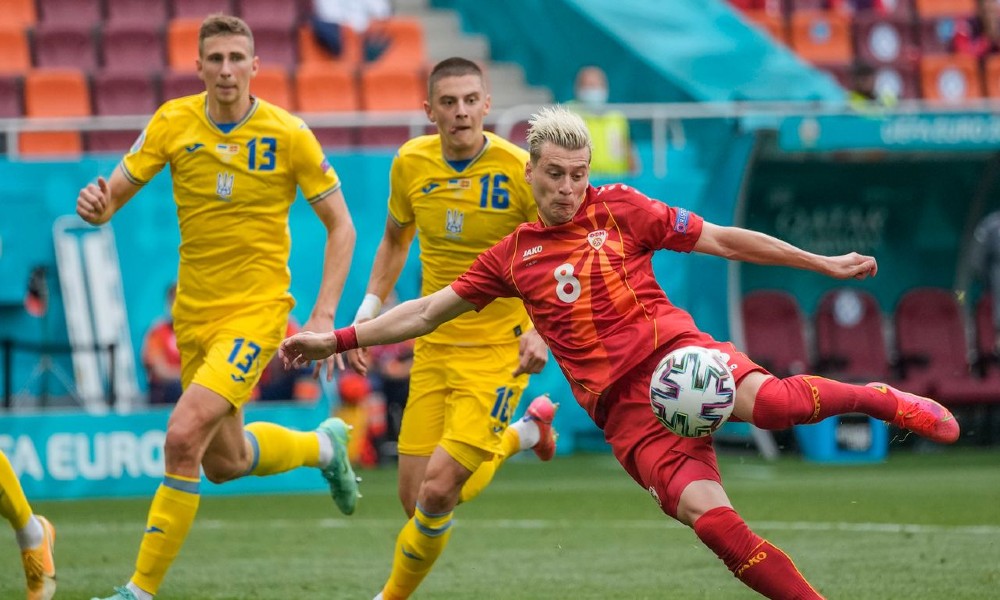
(692, 391)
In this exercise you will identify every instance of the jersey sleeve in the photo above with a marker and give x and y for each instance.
(313, 173)
(148, 153)
(658, 226)
(400, 207)
(484, 281)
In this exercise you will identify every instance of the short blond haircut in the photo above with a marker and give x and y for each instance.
(220, 24)
(558, 126)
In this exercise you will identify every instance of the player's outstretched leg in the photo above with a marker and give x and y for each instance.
(338, 472)
(920, 415)
(39, 565)
(121, 593)
(804, 399)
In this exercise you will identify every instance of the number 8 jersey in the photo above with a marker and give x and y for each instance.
(588, 284)
(233, 185)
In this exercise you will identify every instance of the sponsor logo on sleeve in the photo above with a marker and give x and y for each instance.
(681, 224)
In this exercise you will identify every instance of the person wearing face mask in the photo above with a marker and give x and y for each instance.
(613, 156)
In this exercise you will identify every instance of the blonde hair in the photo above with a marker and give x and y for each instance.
(559, 126)
(220, 24)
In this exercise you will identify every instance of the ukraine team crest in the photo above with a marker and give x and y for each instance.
(597, 238)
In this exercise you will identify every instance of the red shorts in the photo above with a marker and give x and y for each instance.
(661, 462)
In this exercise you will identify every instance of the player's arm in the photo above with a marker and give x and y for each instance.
(340, 237)
(408, 320)
(736, 243)
(98, 202)
(390, 258)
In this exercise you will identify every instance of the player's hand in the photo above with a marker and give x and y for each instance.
(533, 354)
(851, 265)
(358, 360)
(92, 202)
(321, 324)
(305, 347)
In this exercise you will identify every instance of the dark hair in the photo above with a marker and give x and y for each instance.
(451, 67)
(220, 24)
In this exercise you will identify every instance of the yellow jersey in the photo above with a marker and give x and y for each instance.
(459, 214)
(233, 191)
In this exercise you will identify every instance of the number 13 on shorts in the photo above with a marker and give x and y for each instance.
(501, 410)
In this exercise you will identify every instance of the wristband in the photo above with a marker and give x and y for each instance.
(347, 338)
(370, 308)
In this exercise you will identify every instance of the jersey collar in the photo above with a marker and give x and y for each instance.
(250, 112)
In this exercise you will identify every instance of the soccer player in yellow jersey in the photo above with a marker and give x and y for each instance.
(460, 191)
(236, 161)
(35, 535)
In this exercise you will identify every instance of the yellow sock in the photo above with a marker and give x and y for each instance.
(13, 505)
(419, 544)
(170, 517)
(278, 449)
(481, 477)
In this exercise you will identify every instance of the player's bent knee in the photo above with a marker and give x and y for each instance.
(699, 497)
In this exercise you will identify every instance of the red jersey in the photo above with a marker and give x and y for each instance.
(588, 284)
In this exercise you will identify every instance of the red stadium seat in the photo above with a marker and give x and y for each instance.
(268, 12)
(275, 45)
(326, 88)
(774, 331)
(950, 79)
(937, 35)
(986, 338)
(885, 40)
(132, 46)
(10, 97)
(199, 9)
(152, 13)
(849, 339)
(124, 93)
(821, 37)
(15, 54)
(81, 13)
(175, 84)
(65, 45)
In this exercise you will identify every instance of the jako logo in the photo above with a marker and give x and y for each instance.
(755, 559)
(531, 251)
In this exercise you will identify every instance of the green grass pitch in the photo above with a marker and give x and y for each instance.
(920, 526)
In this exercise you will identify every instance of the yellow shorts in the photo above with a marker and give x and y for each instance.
(462, 393)
(228, 356)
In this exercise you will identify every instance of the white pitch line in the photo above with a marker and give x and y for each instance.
(536, 524)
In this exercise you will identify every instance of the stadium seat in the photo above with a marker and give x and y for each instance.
(54, 93)
(800, 5)
(406, 42)
(124, 93)
(132, 46)
(81, 13)
(821, 37)
(175, 84)
(940, 8)
(10, 97)
(152, 13)
(310, 51)
(18, 13)
(937, 35)
(326, 88)
(850, 343)
(986, 350)
(182, 44)
(268, 12)
(894, 8)
(951, 79)
(933, 352)
(991, 75)
(275, 45)
(898, 81)
(65, 45)
(272, 84)
(391, 88)
(885, 40)
(774, 332)
(15, 54)
(199, 9)
(773, 24)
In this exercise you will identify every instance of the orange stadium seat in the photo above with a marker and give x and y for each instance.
(941, 8)
(991, 75)
(18, 13)
(390, 87)
(406, 42)
(199, 9)
(132, 46)
(821, 37)
(65, 45)
(310, 51)
(54, 93)
(182, 44)
(322, 88)
(271, 84)
(950, 78)
(149, 12)
(773, 24)
(15, 55)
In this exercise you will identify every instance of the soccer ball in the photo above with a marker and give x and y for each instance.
(692, 391)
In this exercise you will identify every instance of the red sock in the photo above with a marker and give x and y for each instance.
(803, 399)
(762, 566)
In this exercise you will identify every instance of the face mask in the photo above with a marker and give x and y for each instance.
(593, 96)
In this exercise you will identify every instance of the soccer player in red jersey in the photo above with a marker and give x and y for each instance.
(584, 274)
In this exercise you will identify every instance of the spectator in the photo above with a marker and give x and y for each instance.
(161, 358)
(330, 17)
(985, 259)
(613, 153)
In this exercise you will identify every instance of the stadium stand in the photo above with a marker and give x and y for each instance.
(54, 93)
(128, 45)
(182, 44)
(850, 343)
(81, 13)
(774, 331)
(268, 12)
(175, 84)
(198, 9)
(272, 84)
(149, 12)
(311, 52)
(10, 97)
(15, 53)
(986, 351)
(324, 89)
(65, 45)
(19, 13)
(275, 44)
(950, 78)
